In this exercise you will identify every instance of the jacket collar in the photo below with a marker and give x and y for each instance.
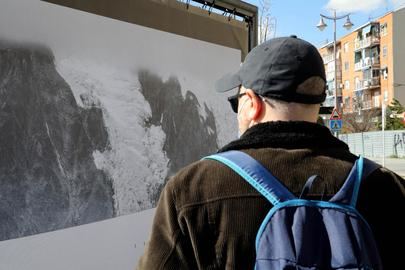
(287, 135)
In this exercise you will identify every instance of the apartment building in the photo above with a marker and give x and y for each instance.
(371, 64)
(327, 55)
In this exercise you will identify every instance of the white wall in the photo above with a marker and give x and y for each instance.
(370, 144)
(112, 244)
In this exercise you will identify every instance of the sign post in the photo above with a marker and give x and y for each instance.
(335, 121)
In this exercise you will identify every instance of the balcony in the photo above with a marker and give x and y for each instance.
(368, 84)
(329, 102)
(331, 88)
(328, 58)
(330, 77)
(366, 42)
(330, 73)
(362, 105)
(366, 63)
(367, 105)
(370, 104)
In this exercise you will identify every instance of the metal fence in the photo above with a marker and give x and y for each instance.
(370, 144)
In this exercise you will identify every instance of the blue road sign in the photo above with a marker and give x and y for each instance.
(335, 124)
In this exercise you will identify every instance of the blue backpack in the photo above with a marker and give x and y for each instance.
(309, 234)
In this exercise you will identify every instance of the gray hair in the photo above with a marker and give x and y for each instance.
(312, 86)
(289, 108)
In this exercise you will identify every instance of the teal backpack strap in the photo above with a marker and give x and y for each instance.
(255, 174)
(349, 192)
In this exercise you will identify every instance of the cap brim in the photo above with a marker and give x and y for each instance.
(228, 82)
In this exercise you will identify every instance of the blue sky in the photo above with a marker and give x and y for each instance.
(300, 17)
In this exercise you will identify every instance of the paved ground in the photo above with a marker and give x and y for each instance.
(394, 164)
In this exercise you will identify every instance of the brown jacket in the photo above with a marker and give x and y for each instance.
(207, 216)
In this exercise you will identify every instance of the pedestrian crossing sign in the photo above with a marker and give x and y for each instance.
(335, 125)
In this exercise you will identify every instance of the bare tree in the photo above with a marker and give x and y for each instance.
(361, 120)
(267, 23)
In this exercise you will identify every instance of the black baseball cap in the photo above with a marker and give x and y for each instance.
(276, 68)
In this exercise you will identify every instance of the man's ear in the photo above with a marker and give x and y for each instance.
(256, 105)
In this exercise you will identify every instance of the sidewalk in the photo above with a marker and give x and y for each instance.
(396, 165)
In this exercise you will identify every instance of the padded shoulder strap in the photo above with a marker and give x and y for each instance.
(254, 173)
(349, 192)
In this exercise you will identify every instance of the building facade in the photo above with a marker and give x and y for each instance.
(370, 63)
(329, 61)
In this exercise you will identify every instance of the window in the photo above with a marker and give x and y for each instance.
(367, 74)
(346, 104)
(385, 51)
(385, 95)
(384, 30)
(346, 66)
(376, 101)
(347, 85)
(366, 97)
(346, 47)
(358, 56)
(374, 52)
(376, 29)
(358, 83)
(385, 73)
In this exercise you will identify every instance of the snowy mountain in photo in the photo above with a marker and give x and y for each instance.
(135, 159)
(154, 131)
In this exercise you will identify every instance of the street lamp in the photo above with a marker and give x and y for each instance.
(321, 26)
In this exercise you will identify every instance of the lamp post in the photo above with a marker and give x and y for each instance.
(321, 26)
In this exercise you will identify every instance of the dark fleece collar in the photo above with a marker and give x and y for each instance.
(287, 135)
